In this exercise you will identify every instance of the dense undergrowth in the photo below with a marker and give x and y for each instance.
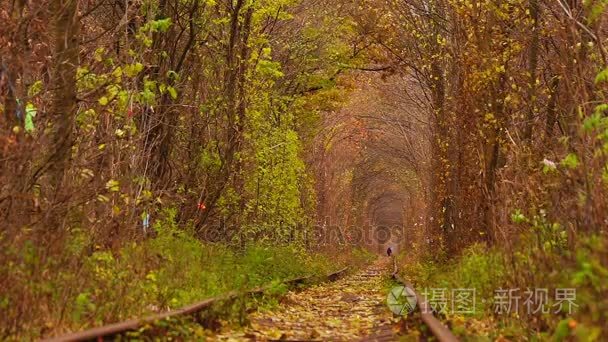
(492, 270)
(85, 286)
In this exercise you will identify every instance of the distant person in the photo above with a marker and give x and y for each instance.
(389, 251)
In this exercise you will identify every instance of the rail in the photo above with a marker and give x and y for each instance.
(438, 329)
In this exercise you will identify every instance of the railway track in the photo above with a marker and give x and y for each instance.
(109, 332)
(349, 308)
(344, 310)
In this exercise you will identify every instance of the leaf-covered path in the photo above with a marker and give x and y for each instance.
(352, 308)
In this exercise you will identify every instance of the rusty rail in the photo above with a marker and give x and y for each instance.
(131, 325)
(438, 329)
(337, 275)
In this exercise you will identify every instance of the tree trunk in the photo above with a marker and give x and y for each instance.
(237, 57)
(532, 65)
(63, 83)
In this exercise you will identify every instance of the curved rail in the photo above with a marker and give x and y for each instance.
(97, 334)
(438, 329)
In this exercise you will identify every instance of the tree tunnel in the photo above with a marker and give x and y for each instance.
(372, 163)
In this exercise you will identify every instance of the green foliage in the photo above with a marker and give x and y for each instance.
(132, 70)
(517, 217)
(166, 272)
(35, 89)
(489, 269)
(570, 161)
(596, 8)
(478, 268)
(269, 69)
(30, 113)
(549, 235)
(562, 331)
(602, 76)
(593, 122)
(82, 305)
(276, 180)
(153, 26)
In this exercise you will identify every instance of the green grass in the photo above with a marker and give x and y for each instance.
(529, 266)
(87, 286)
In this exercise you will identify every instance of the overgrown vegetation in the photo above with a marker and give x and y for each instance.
(167, 272)
(490, 270)
(268, 125)
(115, 111)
